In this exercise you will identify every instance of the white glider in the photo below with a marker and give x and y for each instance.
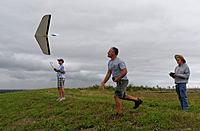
(41, 35)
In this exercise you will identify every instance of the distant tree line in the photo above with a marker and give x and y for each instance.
(131, 87)
(7, 91)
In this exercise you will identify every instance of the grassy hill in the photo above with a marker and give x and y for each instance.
(92, 109)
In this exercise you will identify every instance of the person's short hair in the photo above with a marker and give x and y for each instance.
(115, 50)
(60, 60)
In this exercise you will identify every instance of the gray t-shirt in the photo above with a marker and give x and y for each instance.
(116, 66)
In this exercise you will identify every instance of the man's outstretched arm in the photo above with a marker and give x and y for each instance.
(106, 78)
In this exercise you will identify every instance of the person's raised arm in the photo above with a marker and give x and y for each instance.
(56, 70)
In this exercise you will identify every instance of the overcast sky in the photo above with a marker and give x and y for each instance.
(148, 34)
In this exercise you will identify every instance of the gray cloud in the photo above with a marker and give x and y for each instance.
(147, 32)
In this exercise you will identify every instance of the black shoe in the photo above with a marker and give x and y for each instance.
(137, 103)
(120, 114)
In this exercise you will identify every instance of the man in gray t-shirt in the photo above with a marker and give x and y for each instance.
(117, 68)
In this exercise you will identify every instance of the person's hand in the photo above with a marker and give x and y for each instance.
(172, 74)
(113, 78)
(116, 79)
(55, 69)
(102, 86)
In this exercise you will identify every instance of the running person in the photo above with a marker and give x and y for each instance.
(118, 70)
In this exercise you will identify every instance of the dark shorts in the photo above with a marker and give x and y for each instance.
(120, 90)
(61, 82)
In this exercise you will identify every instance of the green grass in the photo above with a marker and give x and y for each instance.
(90, 109)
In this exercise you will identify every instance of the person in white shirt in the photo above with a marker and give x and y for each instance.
(60, 79)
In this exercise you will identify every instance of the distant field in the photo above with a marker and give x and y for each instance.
(91, 109)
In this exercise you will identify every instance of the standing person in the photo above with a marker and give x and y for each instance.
(118, 70)
(60, 79)
(181, 76)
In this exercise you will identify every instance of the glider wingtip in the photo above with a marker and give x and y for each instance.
(47, 15)
(46, 53)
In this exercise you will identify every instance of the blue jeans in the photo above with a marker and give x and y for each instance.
(182, 95)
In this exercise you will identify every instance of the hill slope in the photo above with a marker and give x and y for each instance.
(90, 109)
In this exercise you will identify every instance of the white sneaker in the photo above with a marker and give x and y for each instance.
(58, 99)
(61, 99)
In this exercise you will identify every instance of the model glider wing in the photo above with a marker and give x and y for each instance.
(41, 34)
